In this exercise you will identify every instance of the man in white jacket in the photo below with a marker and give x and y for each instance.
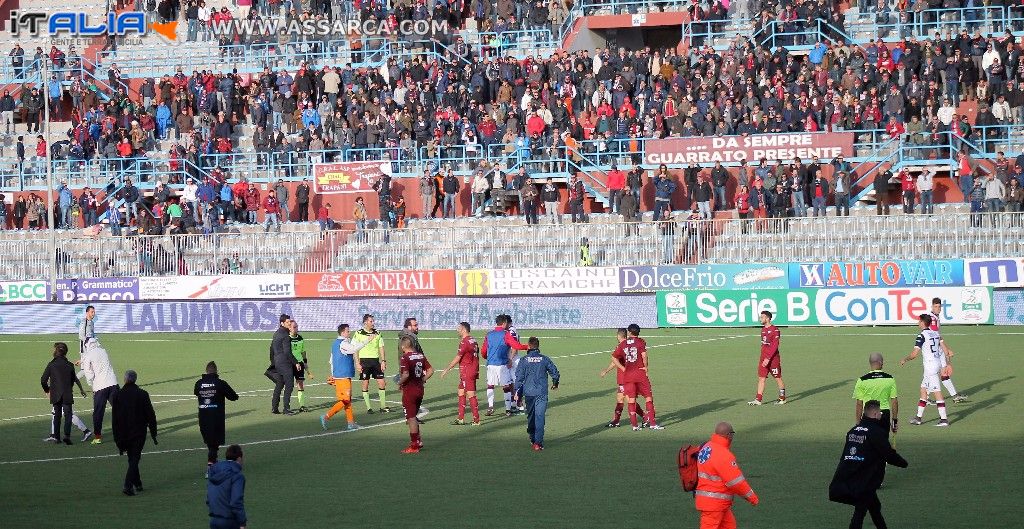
(95, 367)
(925, 186)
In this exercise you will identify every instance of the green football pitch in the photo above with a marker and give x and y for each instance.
(588, 476)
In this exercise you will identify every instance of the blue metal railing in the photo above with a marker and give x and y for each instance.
(590, 156)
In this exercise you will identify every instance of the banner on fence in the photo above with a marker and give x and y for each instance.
(894, 273)
(24, 291)
(525, 281)
(1000, 273)
(347, 177)
(711, 149)
(441, 313)
(217, 287)
(374, 284)
(805, 307)
(706, 277)
(101, 289)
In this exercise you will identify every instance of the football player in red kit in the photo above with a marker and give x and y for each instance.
(771, 362)
(630, 357)
(620, 395)
(414, 370)
(468, 360)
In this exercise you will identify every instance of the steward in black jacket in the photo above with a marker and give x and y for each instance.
(862, 467)
(212, 391)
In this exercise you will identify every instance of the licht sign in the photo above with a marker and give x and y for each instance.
(218, 287)
(895, 273)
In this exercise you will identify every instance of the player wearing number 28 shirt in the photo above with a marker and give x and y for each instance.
(630, 357)
(771, 361)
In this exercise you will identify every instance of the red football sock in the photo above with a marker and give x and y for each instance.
(476, 408)
(462, 407)
(412, 438)
(618, 412)
(632, 414)
(650, 412)
(759, 397)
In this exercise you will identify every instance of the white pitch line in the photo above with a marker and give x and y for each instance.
(423, 413)
(716, 339)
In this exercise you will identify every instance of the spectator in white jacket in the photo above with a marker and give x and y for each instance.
(99, 373)
(190, 195)
(925, 185)
(481, 185)
(946, 112)
(1001, 110)
(994, 191)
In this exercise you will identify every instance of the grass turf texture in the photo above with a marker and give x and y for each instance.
(588, 476)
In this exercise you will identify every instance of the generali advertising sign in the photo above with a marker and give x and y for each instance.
(374, 284)
(347, 177)
(705, 150)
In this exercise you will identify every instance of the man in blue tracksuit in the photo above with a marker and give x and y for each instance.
(532, 383)
(225, 492)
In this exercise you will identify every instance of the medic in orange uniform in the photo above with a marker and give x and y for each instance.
(719, 480)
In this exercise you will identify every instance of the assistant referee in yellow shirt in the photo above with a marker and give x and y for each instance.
(881, 386)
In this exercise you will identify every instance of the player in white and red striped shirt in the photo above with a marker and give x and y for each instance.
(947, 372)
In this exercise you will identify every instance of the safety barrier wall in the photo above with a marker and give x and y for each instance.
(974, 291)
(436, 313)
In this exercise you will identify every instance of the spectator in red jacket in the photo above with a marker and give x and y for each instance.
(271, 210)
(252, 203)
(894, 128)
(909, 188)
(535, 124)
(616, 181)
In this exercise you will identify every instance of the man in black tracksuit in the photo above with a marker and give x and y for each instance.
(57, 381)
(212, 391)
(862, 467)
(284, 365)
(133, 414)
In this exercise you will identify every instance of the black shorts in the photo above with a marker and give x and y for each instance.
(371, 369)
(300, 372)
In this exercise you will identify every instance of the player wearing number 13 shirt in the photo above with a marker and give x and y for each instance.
(630, 358)
(414, 370)
(771, 361)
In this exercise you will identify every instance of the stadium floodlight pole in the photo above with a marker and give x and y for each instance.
(49, 184)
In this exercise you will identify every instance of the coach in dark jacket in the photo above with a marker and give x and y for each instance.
(862, 467)
(284, 362)
(133, 414)
(212, 391)
(57, 381)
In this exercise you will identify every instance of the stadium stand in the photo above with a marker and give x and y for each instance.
(513, 89)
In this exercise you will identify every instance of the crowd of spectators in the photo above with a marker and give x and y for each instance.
(583, 106)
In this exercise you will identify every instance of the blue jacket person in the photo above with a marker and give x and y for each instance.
(532, 383)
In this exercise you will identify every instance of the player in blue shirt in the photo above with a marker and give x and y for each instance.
(497, 346)
(342, 370)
